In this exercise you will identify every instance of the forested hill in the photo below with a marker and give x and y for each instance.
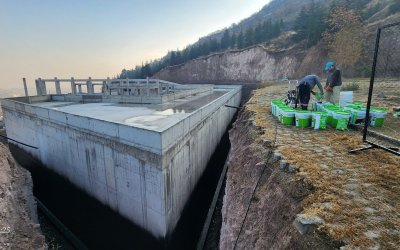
(295, 26)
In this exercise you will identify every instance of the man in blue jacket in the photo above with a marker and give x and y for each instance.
(305, 88)
(333, 83)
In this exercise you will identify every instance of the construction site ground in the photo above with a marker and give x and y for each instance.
(354, 198)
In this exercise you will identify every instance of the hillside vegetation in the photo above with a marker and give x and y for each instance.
(341, 30)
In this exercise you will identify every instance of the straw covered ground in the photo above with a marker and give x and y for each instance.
(355, 195)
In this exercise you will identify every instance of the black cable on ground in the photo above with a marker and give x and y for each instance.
(257, 184)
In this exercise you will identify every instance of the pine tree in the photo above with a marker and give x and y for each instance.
(225, 40)
(240, 40)
(248, 37)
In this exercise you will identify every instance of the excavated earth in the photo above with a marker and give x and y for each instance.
(19, 228)
(276, 201)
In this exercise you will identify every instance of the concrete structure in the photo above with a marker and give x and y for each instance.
(141, 160)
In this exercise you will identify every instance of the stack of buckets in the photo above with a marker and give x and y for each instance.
(301, 118)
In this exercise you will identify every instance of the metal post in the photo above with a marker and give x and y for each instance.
(371, 84)
(25, 87)
(58, 88)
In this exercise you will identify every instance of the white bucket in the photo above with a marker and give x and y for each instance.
(345, 97)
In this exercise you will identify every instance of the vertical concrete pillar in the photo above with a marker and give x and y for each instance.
(90, 88)
(147, 86)
(73, 87)
(119, 87)
(104, 87)
(109, 83)
(127, 86)
(58, 87)
(42, 87)
(80, 88)
(158, 87)
(25, 87)
(37, 87)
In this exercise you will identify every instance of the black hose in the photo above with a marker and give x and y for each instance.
(19, 142)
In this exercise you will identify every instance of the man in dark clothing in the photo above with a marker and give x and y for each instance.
(333, 83)
(305, 88)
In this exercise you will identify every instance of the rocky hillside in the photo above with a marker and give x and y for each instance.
(253, 64)
(281, 56)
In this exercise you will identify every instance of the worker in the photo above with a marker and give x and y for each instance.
(305, 88)
(333, 83)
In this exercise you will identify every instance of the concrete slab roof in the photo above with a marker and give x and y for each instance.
(155, 117)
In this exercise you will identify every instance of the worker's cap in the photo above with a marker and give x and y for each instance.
(328, 65)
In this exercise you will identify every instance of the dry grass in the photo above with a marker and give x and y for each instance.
(355, 194)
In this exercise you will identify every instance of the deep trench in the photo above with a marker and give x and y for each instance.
(99, 227)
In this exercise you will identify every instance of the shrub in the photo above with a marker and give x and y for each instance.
(350, 87)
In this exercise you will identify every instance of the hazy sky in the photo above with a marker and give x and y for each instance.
(98, 38)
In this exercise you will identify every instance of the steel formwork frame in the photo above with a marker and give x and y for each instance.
(370, 91)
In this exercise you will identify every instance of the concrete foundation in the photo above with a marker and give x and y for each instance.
(141, 160)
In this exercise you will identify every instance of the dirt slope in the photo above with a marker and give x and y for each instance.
(19, 228)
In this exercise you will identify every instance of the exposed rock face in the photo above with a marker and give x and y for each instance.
(247, 65)
(19, 228)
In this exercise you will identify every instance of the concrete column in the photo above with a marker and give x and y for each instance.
(37, 87)
(80, 88)
(158, 87)
(25, 87)
(58, 87)
(104, 88)
(127, 86)
(119, 87)
(90, 88)
(42, 87)
(108, 82)
(73, 87)
(147, 86)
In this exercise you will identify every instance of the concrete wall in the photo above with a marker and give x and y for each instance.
(144, 175)
(118, 165)
(185, 155)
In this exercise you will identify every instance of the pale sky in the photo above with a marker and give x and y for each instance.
(98, 38)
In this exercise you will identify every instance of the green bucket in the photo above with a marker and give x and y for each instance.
(287, 116)
(274, 104)
(303, 118)
(341, 120)
(331, 111)
(319, 119)
(377, 117)
(278, 108)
